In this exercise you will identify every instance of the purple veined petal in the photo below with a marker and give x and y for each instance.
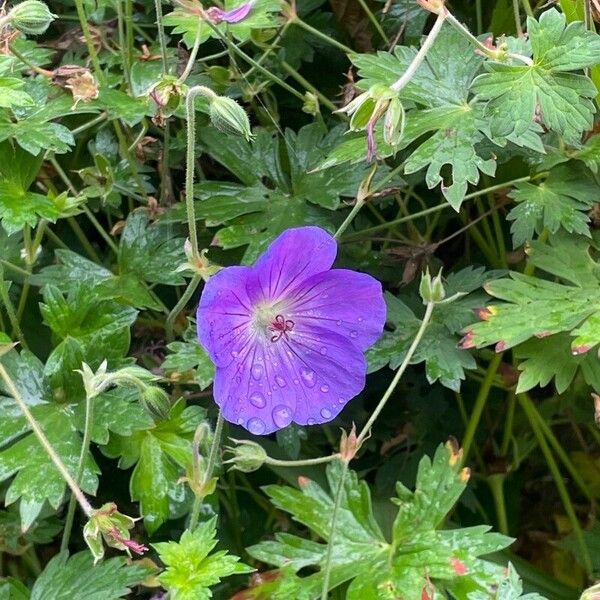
(224, 317)
(294, 256)
(307, 379)
(235, 15)
(348, 303)
(371, 143)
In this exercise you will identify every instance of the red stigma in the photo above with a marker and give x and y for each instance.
(281, 326)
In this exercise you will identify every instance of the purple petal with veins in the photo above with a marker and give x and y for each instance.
(371, 144)
(235, 15)
(288, 335)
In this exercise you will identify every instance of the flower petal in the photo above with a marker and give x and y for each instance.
(294, 256)
(307, 379)
(237, 14)
(345, 302)
(224, 319)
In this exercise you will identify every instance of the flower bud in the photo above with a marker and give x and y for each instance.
(247, 456)
(167, 93)
(156, 401)
(432, 289)
(109, 525)
(31, 17)
(229, 117)
(393, 122)
(311, 104)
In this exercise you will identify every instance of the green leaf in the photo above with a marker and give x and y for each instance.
(13, 540)
(189, 356)
(34, 135)
(191, 569)
(149, 251)
(419, 554)
(560, 201)
(538, 308)
(565, 99)
(444, 361)
(161, 455)
(11, 93)
(77, 578)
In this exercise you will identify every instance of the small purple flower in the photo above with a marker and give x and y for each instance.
(288, 335)
(235, 15)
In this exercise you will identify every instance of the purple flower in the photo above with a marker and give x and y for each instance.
(287, 335)
(235, 15)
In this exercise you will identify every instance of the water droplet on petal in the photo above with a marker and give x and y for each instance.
(240, 421)
(282, 415)
(257, 371)
(326, 413)
(238, 379)
(324, 388)
(234, 353)
(311, 421)
(256, 426)
(323, 350)
(308, 376)
(360, 319)
(338, 323)
(258, 400)
(341, 400)
(353, 334)
(280, 380)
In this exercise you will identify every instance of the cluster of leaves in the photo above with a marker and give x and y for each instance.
(93, 227)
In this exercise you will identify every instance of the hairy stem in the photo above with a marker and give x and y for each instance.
(46, 445)
(189, 291)
(396, 380)
(85, 447)
(332, 532)
(306, 462)
(85, 28)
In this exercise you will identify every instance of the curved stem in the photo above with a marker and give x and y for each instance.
(355, 210)
(332, 531)
(302, 462)
(85, 28)
(210, 467)
(323, 36)
(190, 162)
(43, 440)
(422, 53)
(189, 291)
(85, 446)
(396, 380)
(193, 54)
(480, 402)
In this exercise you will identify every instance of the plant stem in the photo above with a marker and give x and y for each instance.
(31, 65)
(189, 291)
(43, 440)
(332, 531)
(466, 33)
(374, 21)
(530, 412)
(193, 54)
(517, 13)
(323, 36)
(85, 28)
(10, 309)
(508, 425)
(85, 447)
(161, 36)
(210, 467)
(496, 483)
(307, 86)
(190, 163)
(422, 53)
(527, 8)
(390, 390)
(275, 462)
(83, 239)
(480, 402)
(355, 210)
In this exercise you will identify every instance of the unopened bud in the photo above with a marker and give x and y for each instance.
(311, 104)
(393, 122)
(229, 117)
(247, 456)
(156, 401)
(31, 17)
(432, 288)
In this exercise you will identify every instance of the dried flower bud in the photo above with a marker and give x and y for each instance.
(31, 17)
(79, 80)
(247, 456)
(108, 524)
(432, 289)
(229, 117)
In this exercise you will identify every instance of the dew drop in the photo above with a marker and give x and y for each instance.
(258, 400)
(326, 413)
(256, 426)
(234, 353)
(311, 421)
(323, 350)
(353, 334)
(324, 388)
(257, 371)
(360, 319)
(282, 416)
(280, 380)
(240, 421)
(338, 323)
(341, 400)
(308, 376)
(296, 381)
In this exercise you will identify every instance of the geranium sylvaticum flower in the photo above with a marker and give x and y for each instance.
(235, 15)
(288, 335)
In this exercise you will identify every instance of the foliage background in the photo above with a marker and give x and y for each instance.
(497, 172)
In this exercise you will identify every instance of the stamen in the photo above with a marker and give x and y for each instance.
(281, 326)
